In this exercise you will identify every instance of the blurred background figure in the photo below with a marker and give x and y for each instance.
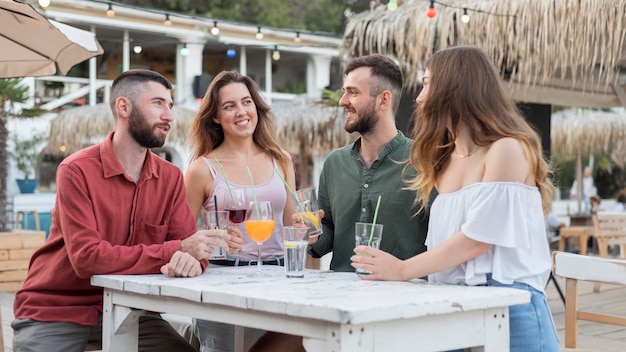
(620, 204)
(588, 188)
(553, 227)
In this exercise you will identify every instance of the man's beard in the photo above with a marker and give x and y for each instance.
(142, 132)
(365, 122)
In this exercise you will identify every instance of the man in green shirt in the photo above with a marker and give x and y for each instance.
(355, 175)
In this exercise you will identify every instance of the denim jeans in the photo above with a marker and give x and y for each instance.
(531, 325)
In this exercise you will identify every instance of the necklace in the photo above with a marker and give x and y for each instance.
(465, 155)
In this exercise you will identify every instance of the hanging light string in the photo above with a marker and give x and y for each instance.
(212, 24)
(431, 12)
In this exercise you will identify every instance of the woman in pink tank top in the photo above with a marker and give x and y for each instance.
(233, 132)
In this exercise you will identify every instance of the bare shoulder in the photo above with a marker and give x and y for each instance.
(506, 161)
(508, 146)
(198, 168)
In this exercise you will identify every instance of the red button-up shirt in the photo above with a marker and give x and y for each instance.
(103, 223)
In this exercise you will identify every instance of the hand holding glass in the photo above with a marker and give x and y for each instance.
(216, 220)
(364, 236)
(259, 225)
(309, 210)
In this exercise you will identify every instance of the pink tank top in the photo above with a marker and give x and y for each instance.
(273, 190)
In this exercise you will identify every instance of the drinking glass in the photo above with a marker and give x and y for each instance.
(235, 204)
(309, 210)
(367, 234)
(216, 220)
(259, 225)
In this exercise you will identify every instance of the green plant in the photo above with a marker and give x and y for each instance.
(26, 154)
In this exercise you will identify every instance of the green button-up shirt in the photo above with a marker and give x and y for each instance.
(348, 193)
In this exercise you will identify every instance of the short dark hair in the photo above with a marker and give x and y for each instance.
(386, 75)
(128, 84)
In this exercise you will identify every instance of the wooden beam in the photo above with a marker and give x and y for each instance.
(621, 93)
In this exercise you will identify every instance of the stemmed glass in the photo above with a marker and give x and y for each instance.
(235, 204)
(259, 225)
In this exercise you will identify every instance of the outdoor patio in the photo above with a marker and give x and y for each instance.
(592, 337)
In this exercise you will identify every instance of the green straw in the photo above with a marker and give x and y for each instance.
(253, 192)
(369, 243)
(293, 194)
(227, 184)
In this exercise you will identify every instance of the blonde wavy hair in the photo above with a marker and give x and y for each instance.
(465, 87)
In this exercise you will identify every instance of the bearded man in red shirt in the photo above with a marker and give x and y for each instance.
(120, 209)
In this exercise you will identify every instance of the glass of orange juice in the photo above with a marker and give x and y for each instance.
(259, 225)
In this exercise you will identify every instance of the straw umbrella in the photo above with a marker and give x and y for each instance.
(309, 128)
(563, 52)
(303, 127)
(79, 127)
(577, 131)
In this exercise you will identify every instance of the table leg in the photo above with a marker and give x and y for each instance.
(344, 338)
(497, 330)
(120, 326)
(603, 252)
(583, 244)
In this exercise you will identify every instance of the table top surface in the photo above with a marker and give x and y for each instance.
(325, 295)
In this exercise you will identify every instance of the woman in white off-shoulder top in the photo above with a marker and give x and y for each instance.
(487, 224)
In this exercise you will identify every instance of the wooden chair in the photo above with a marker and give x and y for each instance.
(609, 229)
(575, 267)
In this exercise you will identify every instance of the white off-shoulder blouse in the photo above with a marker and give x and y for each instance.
(508, 216)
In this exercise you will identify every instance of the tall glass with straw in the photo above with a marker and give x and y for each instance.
(259, 222)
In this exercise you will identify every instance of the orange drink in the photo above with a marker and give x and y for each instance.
(259, 230)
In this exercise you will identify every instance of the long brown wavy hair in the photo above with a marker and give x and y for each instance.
(465, 87)
(206, 135)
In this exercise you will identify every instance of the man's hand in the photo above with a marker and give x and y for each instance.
(182, 265)
(298, 221)
(200, 245)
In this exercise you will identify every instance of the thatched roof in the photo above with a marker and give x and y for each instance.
(584, 131)
(302, 126)
(563, 52)
(79, 127)
(310, 126)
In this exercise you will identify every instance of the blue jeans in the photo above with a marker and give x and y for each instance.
(531, 325)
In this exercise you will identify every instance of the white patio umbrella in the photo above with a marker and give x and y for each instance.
(34, 46)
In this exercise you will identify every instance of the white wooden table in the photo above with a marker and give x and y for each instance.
(332, 311)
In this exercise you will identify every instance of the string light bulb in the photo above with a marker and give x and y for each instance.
(392, 5)
(465, 18)
(259, 34)
(137, 49)
(230, 53)
(276, 53)
(297, 39)
(215, 30)
(44, 3)
(431, 12)
(184, 51)
(110, 12)
(167, 21)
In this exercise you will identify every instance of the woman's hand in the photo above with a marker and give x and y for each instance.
(235, 241)
(381, 265)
